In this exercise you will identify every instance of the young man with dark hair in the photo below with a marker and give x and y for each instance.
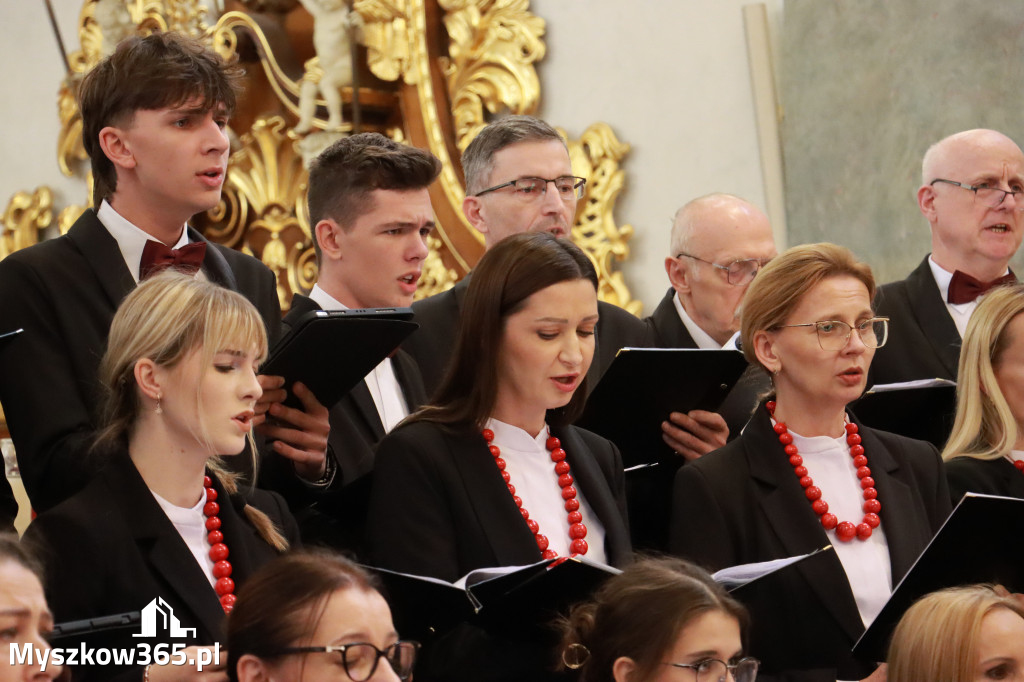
(370, 211)
(154, 118)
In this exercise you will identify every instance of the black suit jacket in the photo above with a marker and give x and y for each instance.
(988, 477)
(64, 293)
(923, 340)
(110, 549)
(742, 504)
(440, 508)
(432, 344)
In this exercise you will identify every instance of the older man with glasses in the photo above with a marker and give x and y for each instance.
(518, 179)
(971, 195)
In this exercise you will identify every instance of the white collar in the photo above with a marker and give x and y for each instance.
(131, 240)
(943, 277)
(516, 438)
(700, 337)
(325, 300)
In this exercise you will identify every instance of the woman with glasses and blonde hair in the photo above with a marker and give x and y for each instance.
(804, 474)
(962, 634)
(660, 620)
(985, 451)
(315, 616)
(163, 521)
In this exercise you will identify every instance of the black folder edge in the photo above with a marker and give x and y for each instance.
(639, 439)
(880, 410)
(359, 339)
(7, 336)
(738, 589)
(923, 578)
(79, 629)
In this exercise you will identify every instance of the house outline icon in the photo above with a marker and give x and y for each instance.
(158, 615)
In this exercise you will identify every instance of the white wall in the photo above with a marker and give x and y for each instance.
(671, 78)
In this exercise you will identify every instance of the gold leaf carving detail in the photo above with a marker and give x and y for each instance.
(436, 277)
(596, 156)
(386, 37)
(25, 217)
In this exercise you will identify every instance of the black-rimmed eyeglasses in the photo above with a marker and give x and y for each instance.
(988, 196)
(714, 670)
(360, 659)
(835, 334)
(569, 187)
(738, 272)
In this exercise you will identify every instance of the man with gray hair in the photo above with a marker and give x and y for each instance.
(719, 242)
(971, 195)
(518, 179)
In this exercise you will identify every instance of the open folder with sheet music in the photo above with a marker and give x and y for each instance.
(922, 409)
(330, 352)
(518, 599)
(980, 542)
(643, 385)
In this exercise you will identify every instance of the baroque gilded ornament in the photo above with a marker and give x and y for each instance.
(426, 72)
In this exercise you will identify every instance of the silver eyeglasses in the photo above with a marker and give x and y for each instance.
(569, 187)
(714, 670)
(738, 272)
(360, 659)
(988, 196)
(835, 334)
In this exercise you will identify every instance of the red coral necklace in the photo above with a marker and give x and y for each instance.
(577, 531)
(845, 530)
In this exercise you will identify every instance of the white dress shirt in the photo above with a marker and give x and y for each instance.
(382, 383)
(866, 562)
(190, 522)
(700, 337)
(532, 472)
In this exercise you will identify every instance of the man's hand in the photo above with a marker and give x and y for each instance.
(694, 434)
(299, 435)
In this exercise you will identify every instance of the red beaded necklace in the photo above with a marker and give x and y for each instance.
(1019, 463)
(225, 586)
(845, 530)
(577, 531)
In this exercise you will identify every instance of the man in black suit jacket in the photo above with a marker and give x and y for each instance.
(518, 179)
(719, 242)
(971, 196)
(370, 210)
(154, 117)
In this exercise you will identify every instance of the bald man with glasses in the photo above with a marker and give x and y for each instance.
(971, 195)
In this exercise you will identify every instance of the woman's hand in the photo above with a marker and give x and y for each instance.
(211, 672)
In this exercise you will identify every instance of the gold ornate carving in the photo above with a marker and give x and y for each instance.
(436, 276)
(25, 217)
(596, 156)
(492, 46)
(262, 211)
(386, 36)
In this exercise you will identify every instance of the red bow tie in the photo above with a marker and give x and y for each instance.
(158, 256)
(963, 288)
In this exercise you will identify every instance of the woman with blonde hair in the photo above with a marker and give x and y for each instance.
(163, 522)
(985, 451)
(962, 634)
(805, 474)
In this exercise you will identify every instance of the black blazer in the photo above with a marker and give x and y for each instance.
(432, 344)
(64, 293)
(440, 508)
(110, 549)
(742, 504)
(923, 340)
(988, 477)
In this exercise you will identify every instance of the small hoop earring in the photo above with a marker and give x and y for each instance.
(575, 656)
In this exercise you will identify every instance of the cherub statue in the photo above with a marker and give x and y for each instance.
(332, 33)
